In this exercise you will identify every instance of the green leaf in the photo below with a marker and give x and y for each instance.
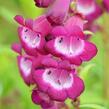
(92, 106)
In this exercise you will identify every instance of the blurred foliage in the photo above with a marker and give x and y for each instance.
(14, 94)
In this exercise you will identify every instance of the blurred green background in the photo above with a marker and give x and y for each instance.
(14, 94)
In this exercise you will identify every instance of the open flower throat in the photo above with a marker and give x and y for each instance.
(53, 45)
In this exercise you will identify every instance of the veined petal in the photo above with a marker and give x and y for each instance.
(31, 41)
(54, 82)
(66, 47)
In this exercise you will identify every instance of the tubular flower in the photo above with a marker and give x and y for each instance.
(56, 82)
(70, 44)
(32, 33)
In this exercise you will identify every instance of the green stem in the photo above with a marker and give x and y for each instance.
(76, 103)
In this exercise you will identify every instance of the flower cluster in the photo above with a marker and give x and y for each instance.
(53, 45)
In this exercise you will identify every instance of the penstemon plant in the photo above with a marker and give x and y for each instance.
(53, 46)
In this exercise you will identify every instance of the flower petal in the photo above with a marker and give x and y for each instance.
(25, 67)
(77, 32)
(59, 30)
(89, 51)
(40, 24)
(49, 62)
(19, 19)
(64, 64)
(38, 77)
(86, 6)
(52, 77)
(17, 48)
(75, 20)
(31, 41)
(29, 23)
(76, 89)
(55, 94)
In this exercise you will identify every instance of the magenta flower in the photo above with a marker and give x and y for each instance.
(56, 82)
(43, 3)
(32, 34)
(57, 15)
(70, 44)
